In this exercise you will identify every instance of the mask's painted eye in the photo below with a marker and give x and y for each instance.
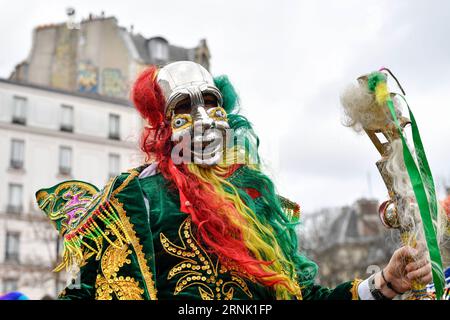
(179, 122)
(219, 113)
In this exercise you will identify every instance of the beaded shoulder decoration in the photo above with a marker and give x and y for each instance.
(292, 209)
(83, 216)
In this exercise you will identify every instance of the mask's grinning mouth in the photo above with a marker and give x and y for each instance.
(206, 145)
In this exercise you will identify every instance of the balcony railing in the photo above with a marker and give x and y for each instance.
(65, 171)
(12, 257)
(16, 164)
(14, 209)
(66, 128)
(114, 136)
(19, 120)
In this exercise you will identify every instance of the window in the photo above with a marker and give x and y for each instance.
(10, 285)
(114, 164)
(66, 118)
(204, 61)
(12, 246)
(65, 160)
(19, 110)
(114, 126)
(15, 198)
(159, 49)
(17, 153)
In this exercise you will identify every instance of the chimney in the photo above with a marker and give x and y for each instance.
(367, 207)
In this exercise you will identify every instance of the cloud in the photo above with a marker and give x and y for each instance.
(338, 44)
(289, 61)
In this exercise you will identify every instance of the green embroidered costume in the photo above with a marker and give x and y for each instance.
(132, 242)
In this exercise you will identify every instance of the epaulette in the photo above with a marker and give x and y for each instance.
(292, 209)
(83, 216)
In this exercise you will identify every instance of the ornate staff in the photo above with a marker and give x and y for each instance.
(369, 106)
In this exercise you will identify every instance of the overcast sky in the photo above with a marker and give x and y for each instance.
(289, 61)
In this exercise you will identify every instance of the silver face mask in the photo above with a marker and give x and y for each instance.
(194, 110)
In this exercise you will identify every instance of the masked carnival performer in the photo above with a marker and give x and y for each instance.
(198, 220)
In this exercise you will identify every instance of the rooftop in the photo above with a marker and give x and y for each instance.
(92, 96)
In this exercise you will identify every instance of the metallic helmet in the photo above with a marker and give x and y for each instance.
(182, 79)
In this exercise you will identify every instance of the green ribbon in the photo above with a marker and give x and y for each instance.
(420, 176)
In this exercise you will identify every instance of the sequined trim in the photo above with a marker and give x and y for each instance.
(87, 240)
(107, 283)
(198, 269)
(145, 270)
(133, 173)
(67, 203)
(354, 289)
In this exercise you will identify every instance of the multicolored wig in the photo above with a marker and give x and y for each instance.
(260, 243)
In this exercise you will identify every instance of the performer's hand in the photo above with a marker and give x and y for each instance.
(406, 265)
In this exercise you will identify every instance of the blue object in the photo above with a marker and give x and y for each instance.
(15, 295)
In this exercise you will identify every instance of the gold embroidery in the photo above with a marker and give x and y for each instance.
(354, 289)
(131, 237)
(124, 288)
(131, 234)
(197, 268)
(133, 174)
(87, 239)
(84, 214)
(62, 294)
(67, 203)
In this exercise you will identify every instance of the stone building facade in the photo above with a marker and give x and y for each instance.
(347, 242)
(97, 56)
(47, 136)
